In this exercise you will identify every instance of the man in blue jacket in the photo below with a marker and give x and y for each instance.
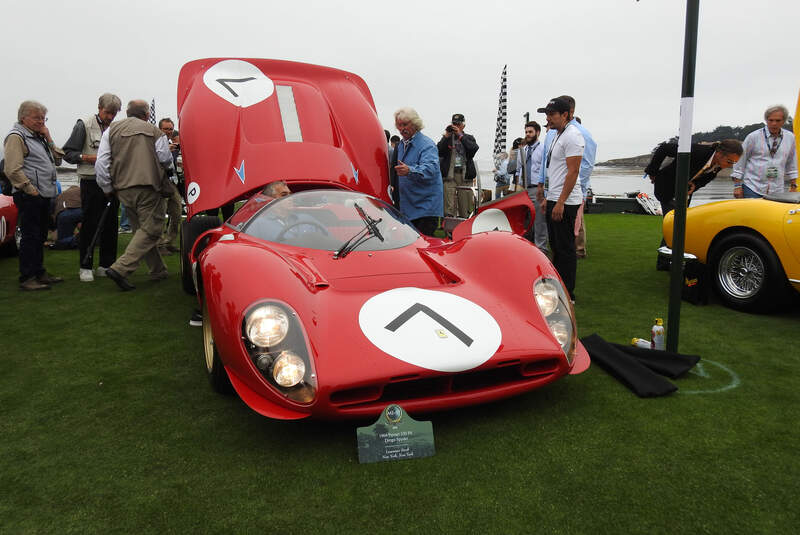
(417, 174)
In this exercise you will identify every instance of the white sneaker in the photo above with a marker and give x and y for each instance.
(100, 271)
(86, 275)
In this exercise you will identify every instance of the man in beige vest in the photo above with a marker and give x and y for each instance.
(81, 150)
(131, 163)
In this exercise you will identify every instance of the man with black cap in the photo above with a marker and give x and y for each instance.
(456, 150)
(562, 162)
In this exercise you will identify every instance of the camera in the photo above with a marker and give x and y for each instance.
(450, 128)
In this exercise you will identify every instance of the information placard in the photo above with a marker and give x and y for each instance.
(395, 436)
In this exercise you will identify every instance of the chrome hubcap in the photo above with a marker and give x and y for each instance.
(741, 272)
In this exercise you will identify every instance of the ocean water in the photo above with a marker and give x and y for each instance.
(606, 181)
(618, 181)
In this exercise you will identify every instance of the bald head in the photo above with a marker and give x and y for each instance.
(139, 109)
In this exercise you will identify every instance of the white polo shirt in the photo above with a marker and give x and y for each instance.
(569, 143)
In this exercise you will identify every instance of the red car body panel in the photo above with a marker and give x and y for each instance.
(333, 113)
(343, 148)
(353, 374)
(8, 219)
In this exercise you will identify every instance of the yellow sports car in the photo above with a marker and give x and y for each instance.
(752, 247)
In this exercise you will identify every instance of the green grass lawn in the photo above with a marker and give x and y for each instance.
(107, 424)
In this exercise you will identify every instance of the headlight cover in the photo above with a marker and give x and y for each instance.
(266, 326)
(555, 306)
(275, 340)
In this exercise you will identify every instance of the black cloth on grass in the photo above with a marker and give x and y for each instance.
(665, 363)
(636, 376)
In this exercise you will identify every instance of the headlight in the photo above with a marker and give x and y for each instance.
(552, 301)
(288, 369)
(266, 326)
(275, 340)
(546, 293)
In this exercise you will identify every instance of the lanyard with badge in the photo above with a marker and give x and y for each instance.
(527, 179)
(549, 156)
(772, 170)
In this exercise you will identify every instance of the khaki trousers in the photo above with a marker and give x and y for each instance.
(146, 213)
(174, 213)
(457, 202)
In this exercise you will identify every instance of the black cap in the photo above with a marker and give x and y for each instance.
(558, 105)
(458, 118)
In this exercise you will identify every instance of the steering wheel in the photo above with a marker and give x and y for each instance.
(317, 227)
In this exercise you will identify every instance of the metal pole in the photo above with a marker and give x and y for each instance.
(682, 174)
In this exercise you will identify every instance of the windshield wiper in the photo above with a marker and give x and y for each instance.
(370, 229)
(371, 223)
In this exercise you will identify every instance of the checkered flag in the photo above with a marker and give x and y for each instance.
(153, 111)
(500, 131)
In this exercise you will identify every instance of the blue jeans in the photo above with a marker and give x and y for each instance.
(124, 224)
(750, 194)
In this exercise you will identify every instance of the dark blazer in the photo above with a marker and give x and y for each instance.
(664, 185)
(470, 148)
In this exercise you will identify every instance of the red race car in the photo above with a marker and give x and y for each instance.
(328, 303)
(9, 236)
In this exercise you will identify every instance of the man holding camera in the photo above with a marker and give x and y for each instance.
(456, 150)
(167, 246)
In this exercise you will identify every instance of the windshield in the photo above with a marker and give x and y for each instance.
(327, 220)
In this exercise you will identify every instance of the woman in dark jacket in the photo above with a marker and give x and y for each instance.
(706, 162)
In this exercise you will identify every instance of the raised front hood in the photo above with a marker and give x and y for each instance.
(247, 122)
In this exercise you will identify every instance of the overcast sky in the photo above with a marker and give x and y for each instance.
(620, 59)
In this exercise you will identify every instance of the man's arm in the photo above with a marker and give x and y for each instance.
(74, 145)
(737, 175)
(102, 167)
(790, 174)
(426, 169)
(443, 146)
(587, 162)
(662, 151)
(573, 166)
(470, 145)
(14, 149)
(163, 153)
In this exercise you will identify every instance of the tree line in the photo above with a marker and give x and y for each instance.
(728, 132)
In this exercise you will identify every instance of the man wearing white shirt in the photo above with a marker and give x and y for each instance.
(769, 161)
(562, 163)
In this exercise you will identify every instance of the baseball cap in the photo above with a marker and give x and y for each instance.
(457, 118)
(558, 105)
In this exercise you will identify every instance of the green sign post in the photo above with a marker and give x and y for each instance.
(395, 436)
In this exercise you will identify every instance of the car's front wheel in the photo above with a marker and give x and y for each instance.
(217, 375)
(747, 273)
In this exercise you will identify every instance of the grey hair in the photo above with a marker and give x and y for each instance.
(410, 115)
(138, 108)
(269, 189)
(773, 109)
(29, 106)
(109, 102)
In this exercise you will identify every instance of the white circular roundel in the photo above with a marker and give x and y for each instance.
(239, 82)
(490, 219)
(434, 330)
(3, 225)
(192, 192)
